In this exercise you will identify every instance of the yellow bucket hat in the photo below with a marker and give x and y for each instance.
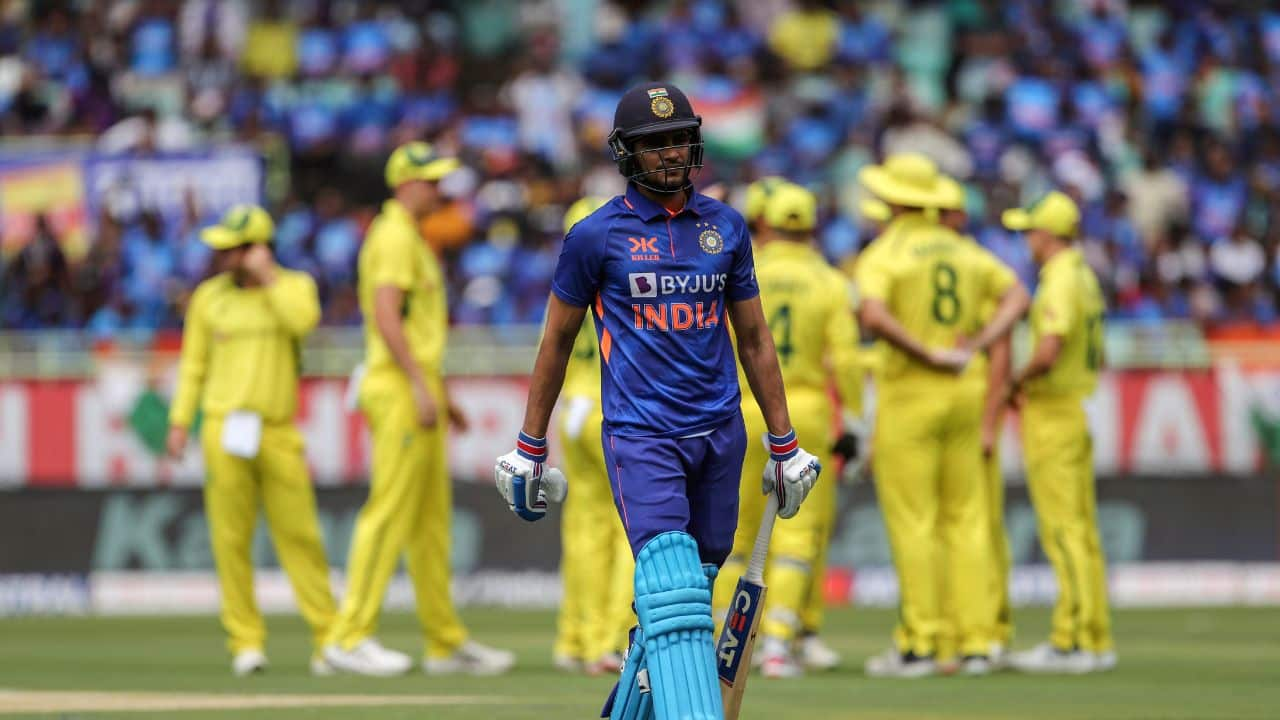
(791, 208)
(581, 208)
(908, 179)
(1055, 213)
(418, 161)
(239, 225)
(758, 194)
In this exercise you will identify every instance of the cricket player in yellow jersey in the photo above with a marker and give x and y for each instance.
(808, 306)
(403, 397)
(755, 202)
(240, 363)
(1066, 332)
(992, 369)
(921, 288)
(596, 566)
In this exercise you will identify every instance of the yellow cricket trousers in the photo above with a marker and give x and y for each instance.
(797, 549)
(930, 486)
(1059, 458)
(278, 481)
(409, 511)
(1002, 630)
(998, 553)
(596, 567)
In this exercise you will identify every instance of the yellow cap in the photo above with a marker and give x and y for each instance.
(874, 210)
(758, 194)
(418, 161)
(1055, 213)
(581, 208)
(240, 224)
(952, 194)
(791, 208)
(908, 179)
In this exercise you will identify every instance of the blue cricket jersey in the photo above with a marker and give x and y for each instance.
(658, 285)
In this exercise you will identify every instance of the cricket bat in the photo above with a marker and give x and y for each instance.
(738, 638)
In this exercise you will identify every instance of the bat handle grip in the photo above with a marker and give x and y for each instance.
(760, 551)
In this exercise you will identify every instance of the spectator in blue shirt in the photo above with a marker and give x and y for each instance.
(153, 40)
(1218, 196)
(149, 266)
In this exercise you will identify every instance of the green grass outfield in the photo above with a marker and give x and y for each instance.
(1184, 663)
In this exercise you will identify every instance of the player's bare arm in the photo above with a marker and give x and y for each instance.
(760, 362)
(1042, 361)
(1013, 304)
(563, 322)
(876, 318)
(387, 301)
(999, 362)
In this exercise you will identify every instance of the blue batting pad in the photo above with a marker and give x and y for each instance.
(631, 699)
(673, 601)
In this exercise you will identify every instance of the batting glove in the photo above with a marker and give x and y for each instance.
(523, 481)
(790, 473)
(851, 447)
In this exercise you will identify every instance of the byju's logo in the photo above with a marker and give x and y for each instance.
(643, 285)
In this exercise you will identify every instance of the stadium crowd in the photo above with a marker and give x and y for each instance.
(1162, 119)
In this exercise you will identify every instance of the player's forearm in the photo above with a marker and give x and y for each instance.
(295, 303)
(183, 412)
(192, 365)
(546, 382)
(999, 360)
(386, 316)
(878, 320)
(1042, 359)
(764, 376)
(1013, 304)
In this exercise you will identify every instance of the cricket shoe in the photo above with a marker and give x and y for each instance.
(776, 660)
(608, 664)
(321, 667)
(471, 658)
(248, 662)
(816, 655)
(976, 665)
(894, 664)
(368, 657)
(566, 664)
(999, 657)
(1047, 659)
(1105, 661)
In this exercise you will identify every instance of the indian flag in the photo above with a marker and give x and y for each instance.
(657, 92)
(733, 120)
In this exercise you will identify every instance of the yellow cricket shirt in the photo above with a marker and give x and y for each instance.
(1068, 303)
(934, 282)
(809, 307)
(394, 254)
(240, 347)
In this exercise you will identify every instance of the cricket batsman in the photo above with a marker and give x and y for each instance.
(809, 309)
(404, 399)
(1066, 330)
(663, 268)
(596, 566)
(922, 287)
(240, 362)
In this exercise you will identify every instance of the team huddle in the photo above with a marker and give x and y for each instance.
(692, 350)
